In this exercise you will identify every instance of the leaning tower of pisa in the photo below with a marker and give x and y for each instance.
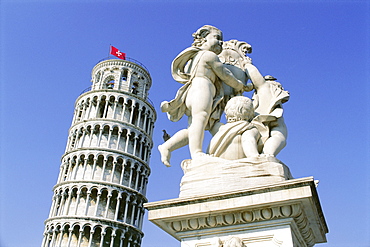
(98, 199)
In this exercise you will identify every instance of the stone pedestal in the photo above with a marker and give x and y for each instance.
(286, 213)
(209, 175)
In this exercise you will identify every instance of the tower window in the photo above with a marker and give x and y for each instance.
(124, 75)
(134, 88)
(110, 84)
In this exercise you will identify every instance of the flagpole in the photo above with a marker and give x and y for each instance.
(110, 45)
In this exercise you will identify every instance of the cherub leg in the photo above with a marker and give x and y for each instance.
(199, 102)
(277, 141)
(177, 141)
(249, 142)
(196, 133)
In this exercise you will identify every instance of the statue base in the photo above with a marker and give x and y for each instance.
(207, 174)
(286, 213)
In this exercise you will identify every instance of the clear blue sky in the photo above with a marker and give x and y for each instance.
(318, 50)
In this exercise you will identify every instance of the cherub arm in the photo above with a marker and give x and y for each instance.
(222, 72)
(254, 75)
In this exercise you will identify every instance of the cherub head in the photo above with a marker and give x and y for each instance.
(209, 38)
(239, 108)
(233, 242)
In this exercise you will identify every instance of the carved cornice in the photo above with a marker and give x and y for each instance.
(292, 203)
(234, 218)
(248, 216)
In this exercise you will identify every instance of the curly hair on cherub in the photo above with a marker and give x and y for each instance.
(201, 34)
(239, 108)
(233, 242)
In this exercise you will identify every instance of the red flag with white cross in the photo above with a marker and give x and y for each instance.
(115, 52)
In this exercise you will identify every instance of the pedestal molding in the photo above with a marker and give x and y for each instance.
(292, 204)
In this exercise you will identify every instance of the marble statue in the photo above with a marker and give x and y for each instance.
(237, 193)
(201, 97)
(213, 72)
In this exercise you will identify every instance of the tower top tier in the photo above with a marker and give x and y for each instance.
(121, 75)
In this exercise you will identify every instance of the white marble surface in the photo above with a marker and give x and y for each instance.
(285, 214)
(208, 175)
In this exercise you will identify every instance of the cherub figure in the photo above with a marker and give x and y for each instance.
(239, 137)
(268, 98)
(202, 96)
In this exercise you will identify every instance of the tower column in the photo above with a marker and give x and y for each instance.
(97, 204)
(97, 108)
(118, 139)
(122, 172)
(53, 205)
(82, 138)
(112, 239)
(139, 116)
(62, 203)
(80, 234)
(122, 239)
(114, 108)
(136, 139)
(87, 202)
(70, 237)
(53, 238)
(126, 208)
(60, 172)
(119, 197)
(77, 201)
(84, 168)
(92, 132)
(131, 174)
(99, 138)
(75, 170)
(93, 168)
(91, 238)
(127, 140)
(103, 169)
(134, 204)
(107, 207)
(123, 110)
(69, 202)
(61, 238)
(145, 120)
(106, 105)
(113, 171)
(102, 239)
(89, 111)
(137, 179)
(109, 136)
(132, 109)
